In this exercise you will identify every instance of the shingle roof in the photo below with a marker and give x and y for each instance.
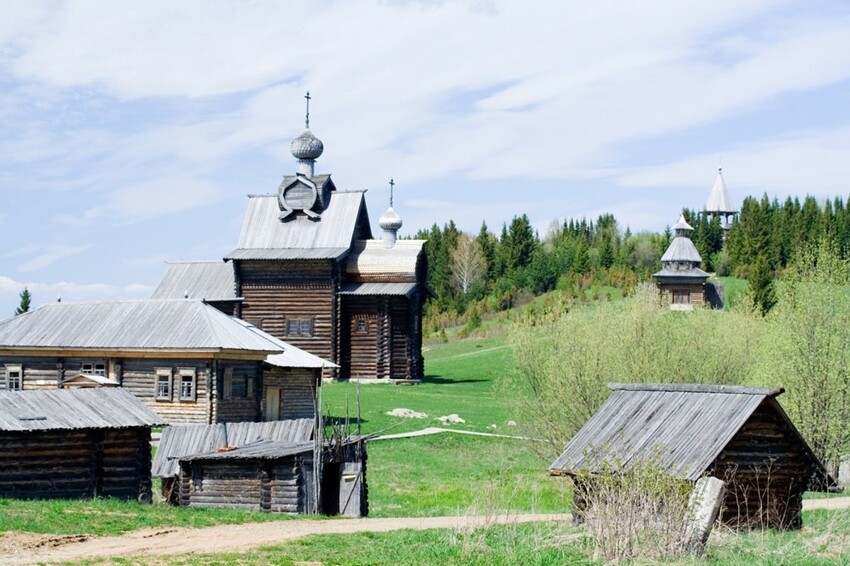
(718, 199)
(73, 409)
(692, 273)
(684, 427)
(153, 324)
(185, 440)
(263, 231)
(369, 259)
(681, 249)
(211, 280)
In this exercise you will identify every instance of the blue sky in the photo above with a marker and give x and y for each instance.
(130, 133)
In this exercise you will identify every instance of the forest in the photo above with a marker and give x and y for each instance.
(475, 273)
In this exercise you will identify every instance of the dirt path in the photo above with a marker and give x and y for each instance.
(32, 549)
(439, 430)
(23, 548)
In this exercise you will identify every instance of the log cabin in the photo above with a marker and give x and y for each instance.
(681, 283)
(307, 270)
(740, 435)
(75, 443)
(184, 359)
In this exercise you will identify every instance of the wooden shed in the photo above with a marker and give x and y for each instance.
(219, 466)
(738, 434)
(278, 477)
(75, 443)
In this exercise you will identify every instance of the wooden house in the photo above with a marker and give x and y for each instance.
(307, 271)
(270, 466)
(75, 443)
(740, 435)
(184, 359)
(681, 283)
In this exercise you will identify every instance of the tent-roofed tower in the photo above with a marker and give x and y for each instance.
(718, 203)
(681, 282)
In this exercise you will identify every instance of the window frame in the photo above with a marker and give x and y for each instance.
(93, 368)
(302, 324)
(10, 368)
(168, 374)
(227, 384)
(192, 375)
(362, 326)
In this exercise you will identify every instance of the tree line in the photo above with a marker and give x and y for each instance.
(467, 269)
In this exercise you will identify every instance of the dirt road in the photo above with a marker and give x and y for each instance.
(22, 548)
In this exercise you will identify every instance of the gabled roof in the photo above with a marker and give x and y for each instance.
(74, 409)
(153, 324)
(369, 259)
(682, 427)
(210, 280)
(265, 236)
(185, 440)
(718, 199)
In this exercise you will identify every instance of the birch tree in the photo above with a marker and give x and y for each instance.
(467, 262)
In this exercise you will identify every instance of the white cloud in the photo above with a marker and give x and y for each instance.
(817, 163)
(48, 255)
(43, 292)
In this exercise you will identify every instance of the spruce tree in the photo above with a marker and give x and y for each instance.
(26, 298)
(761, 285)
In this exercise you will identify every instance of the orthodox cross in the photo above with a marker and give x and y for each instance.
(307, 96)
(392, 186)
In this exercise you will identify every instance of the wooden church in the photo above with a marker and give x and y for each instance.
(307, 270)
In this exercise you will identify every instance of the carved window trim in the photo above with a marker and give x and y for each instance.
(299, 327)
(163, 384)
(188, 384)
(14, 377)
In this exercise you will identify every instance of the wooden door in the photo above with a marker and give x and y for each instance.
(364, 346)
(272, 412)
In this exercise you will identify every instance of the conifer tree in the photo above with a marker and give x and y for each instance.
(24, 306)
(761, 285)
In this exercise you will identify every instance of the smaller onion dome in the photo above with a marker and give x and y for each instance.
(390, 220)
(306, 146)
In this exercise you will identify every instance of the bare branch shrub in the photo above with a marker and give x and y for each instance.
(639, 512)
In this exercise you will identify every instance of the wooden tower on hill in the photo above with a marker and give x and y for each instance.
(681, 282)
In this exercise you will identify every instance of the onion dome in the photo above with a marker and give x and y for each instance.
(306, 146)
(390, 220)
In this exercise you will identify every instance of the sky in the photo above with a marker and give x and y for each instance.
(131, 132)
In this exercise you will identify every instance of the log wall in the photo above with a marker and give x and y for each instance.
(766, 471)
(695, 292)
(38, 373)
(279, 485)
(298, 391)
(139, 378)
(74, 464)
(243, 405)
(276, 291)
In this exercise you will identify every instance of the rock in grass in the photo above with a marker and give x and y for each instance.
(407, 414)
(454, 418)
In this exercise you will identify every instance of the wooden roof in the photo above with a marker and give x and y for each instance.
(372, 289)
(209, 279)
(265, 236)
(185, 440)
(371, 260)
(681, 249)
(153, 324)
(681, 427)
(718, 200)
(74, 409)
(259, 450)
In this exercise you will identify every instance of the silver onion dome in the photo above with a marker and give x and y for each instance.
(306, 146)
(390, 221)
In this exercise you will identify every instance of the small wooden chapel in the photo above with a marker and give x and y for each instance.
(307, 270)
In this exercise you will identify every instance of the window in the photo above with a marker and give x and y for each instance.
(361, 325)
(227, 389)
(249, 387)
(163, 384)
(14, 378)
(188, 379)
(299, 327)
(94, 369)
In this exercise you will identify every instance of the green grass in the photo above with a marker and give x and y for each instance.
(734, 289)
(112, 517)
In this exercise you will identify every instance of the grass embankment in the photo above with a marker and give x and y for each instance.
(448, 474)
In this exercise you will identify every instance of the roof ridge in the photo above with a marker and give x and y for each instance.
(181, 261)
(697, 388)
